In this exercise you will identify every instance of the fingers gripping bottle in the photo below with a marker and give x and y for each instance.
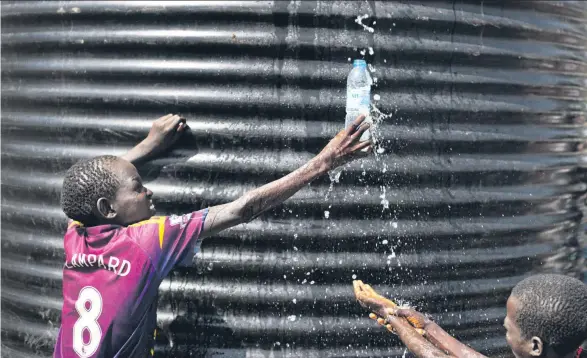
(358, 95)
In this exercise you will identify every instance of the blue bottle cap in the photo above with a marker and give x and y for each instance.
(359, 63)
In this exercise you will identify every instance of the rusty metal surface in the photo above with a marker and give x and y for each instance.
(480, 181)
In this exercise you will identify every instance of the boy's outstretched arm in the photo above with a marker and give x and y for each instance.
(440, 337)
(413, 340)
(343, 148)
(398, 319)
(163, 133)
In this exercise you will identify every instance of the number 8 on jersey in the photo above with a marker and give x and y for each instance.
(89, 307)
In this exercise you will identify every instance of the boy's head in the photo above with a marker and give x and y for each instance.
(105, 190)
(546, 316)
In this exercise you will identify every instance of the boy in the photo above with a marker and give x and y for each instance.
(546, 317)
(117, 252)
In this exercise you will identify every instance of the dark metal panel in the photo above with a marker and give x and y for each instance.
(479, 182)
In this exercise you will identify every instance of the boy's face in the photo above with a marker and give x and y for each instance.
(513, 333)
(521, 347)
(132, 202)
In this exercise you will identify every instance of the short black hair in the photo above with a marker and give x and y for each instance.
(84, 183)
(553, 308)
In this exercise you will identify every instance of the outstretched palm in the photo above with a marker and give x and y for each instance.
(373, 301)
(382, 307)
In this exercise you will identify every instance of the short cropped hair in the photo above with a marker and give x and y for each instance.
(84, 183)
(553, 308)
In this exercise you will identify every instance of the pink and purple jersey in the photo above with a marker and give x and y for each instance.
(111, 278)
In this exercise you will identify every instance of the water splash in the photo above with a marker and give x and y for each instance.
(377, 117)
(384, 201)
(334, 176)
(359, 20)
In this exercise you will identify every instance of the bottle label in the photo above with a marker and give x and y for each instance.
(357, 103)
(358, 100)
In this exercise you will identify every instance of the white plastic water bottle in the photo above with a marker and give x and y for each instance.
(358, 101)
(358, 95)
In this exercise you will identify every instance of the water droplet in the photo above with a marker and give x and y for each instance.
(384, 242)
(354, 277)
(292, 317)
(326, 214)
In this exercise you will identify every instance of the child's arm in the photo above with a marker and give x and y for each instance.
(439, 336)
(164, 132)
(413, 340)
(398, 318)
(342, 149)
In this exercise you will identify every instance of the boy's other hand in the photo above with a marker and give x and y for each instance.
(164, 132)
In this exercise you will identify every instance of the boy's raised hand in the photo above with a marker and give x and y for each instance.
(164, 132)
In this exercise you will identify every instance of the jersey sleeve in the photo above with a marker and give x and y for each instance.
(170, 240)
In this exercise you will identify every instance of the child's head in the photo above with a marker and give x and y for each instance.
(546, 315)
(105, 190)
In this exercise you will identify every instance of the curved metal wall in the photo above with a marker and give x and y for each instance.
(479, 183)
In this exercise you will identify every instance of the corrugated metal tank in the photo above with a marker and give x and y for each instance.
(480, 181)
